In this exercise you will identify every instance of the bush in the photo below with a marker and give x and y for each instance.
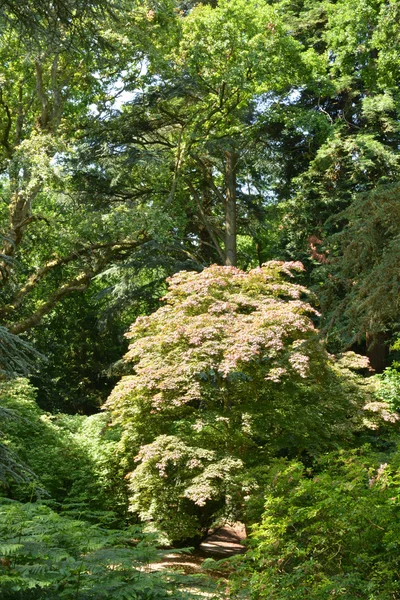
(389, 388)
(182, 487)
(73, 457)
(328, 532)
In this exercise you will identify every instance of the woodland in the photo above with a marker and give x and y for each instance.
(199, 297)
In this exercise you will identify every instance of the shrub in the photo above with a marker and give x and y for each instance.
(330, 532)
(72, 459)
(389, 388)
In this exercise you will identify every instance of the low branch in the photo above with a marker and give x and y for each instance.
(79, 284)
(59, 261)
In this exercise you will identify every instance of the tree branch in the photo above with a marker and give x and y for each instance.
(45, 114)
(19, 218)
(5, 141)
(79, 284)
(59, 261)
(207, 176)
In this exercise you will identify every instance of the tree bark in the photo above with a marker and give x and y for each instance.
(230, 208)
(377, 350)
(78, 284)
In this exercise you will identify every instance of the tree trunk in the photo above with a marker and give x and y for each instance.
(377, 350)
(230, 209)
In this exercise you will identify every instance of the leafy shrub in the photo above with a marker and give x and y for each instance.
(327, 533)
(73, 457)
(174, 482)
(389, 388)
(45, 556)
(227, 374)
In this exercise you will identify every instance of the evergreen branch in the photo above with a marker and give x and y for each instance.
(17, 357)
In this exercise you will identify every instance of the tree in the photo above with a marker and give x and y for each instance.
(194, 117)
(37, 17)
(228, 373)
(357, 157)
(230, 53)
(52, 243)
(361, 293)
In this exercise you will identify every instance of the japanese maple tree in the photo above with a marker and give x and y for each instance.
(227, 373)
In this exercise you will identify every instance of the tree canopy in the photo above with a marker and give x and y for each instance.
(220, 180)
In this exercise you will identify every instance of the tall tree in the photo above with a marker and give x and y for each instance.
(195, 116)
(355, 152)
(50, 241)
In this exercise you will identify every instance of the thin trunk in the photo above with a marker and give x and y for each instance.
(230, 209)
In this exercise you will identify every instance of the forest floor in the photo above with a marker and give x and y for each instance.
(222, 543)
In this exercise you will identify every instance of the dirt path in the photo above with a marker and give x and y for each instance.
(224, 541)
(221, 543)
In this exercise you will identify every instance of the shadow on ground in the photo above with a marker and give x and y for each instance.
(221, 543)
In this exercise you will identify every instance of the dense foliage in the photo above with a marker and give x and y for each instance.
(229, 372)
(327, 531)
(199, 153)
(73, 457)
(47, 556)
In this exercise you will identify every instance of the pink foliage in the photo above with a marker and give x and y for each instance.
(217, 323)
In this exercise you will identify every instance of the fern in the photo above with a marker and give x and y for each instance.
(45, 556)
